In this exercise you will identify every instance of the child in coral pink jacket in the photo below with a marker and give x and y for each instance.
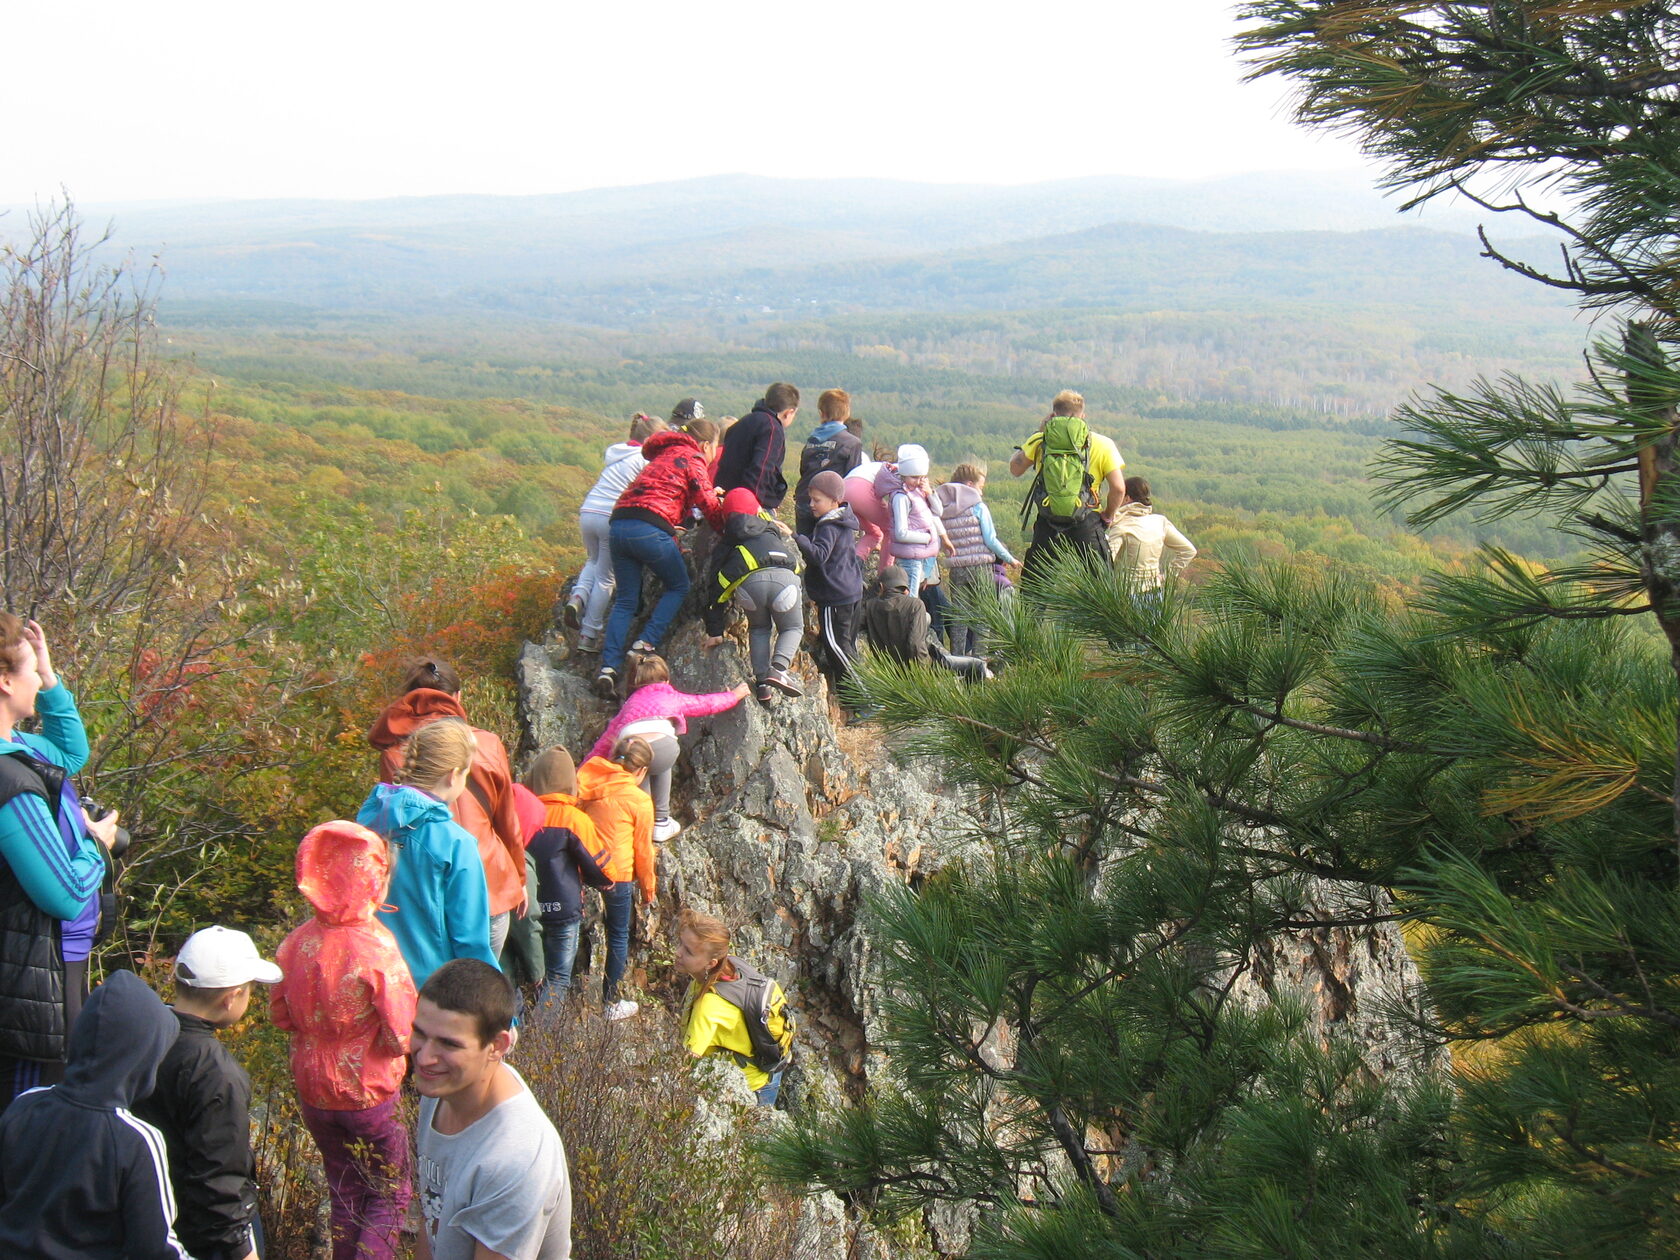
(658, 712)
(348, 1001)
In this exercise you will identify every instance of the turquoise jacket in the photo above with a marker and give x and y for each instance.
(60, 882)
(438, 907)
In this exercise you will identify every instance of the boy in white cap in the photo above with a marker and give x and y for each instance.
(202, 1100)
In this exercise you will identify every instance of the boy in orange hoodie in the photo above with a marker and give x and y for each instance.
(610, 792)
(348, 1001)
(568, 853)
(432, 690)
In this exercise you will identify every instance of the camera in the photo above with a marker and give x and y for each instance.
(95, 811)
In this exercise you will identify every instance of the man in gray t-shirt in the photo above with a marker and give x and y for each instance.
(491, 1167)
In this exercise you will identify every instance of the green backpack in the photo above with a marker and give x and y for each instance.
(1062, 489)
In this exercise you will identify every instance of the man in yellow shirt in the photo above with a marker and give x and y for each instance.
(1086, 528)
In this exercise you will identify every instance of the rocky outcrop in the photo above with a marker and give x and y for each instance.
(791, 821)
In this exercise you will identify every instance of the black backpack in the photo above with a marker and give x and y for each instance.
(760, 998)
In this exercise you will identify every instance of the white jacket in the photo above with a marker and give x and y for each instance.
(623, 461)
(1137, 539)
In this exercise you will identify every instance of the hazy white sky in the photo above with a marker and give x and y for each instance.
(119, 101)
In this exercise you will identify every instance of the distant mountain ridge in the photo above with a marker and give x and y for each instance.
(404, 253)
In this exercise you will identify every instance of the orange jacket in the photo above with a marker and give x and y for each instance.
(486, 809)
(623, 818)
(346, 996)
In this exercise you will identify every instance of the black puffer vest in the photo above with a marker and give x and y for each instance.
(31, 962)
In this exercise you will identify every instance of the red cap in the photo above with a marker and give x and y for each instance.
(740, 499)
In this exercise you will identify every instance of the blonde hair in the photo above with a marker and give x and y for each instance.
(436, 751)
(1068, 403)
(644, 426)
(968, 474)
(649, 668)
(713, 933)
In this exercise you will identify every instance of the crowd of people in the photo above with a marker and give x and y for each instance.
(124, 1124)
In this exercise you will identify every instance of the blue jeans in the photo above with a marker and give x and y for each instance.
(560, 942)
(766, 1094)
(636, 545)
(617, 901)
(916, 569)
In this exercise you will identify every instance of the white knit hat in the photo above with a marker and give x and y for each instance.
(912, 461)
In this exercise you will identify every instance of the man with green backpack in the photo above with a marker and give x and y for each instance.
(1072, 467)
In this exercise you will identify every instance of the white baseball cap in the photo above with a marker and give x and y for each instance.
(219, 958)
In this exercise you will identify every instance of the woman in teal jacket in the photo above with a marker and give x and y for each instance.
(438, 906)
(52, 862)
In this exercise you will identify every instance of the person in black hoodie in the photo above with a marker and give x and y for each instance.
(755, 447)
(202, 1101)
(80, 1177)
(755, 566)
(833, 575)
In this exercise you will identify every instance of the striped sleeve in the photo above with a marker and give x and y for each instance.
(148, 1200)
(32, 847)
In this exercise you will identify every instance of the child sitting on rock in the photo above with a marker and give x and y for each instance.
(897, 625)
(657, 712)
(756, 568)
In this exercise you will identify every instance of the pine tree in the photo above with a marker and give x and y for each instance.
(1164, 790)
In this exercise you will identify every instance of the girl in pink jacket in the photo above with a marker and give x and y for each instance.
(658, 712)
(348, 1001)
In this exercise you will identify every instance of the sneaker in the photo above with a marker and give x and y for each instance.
(606, 683)
(778, 679)
(624, 1008)
(572, 613)
(589, 644)
(765, 693)
(641, 647)
(664, 829)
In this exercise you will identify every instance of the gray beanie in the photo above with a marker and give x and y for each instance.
(830, 485)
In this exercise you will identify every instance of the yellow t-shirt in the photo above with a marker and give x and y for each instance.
(1105, 457)
(716, 1025)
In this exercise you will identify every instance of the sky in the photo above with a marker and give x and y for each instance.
(120, 102)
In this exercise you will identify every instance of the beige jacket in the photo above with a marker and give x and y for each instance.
(1137, 539)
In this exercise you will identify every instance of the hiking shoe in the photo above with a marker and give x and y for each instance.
(589, 644)
(765, 693)
(624, 1008)
(572, 613)
(606, 683)
(641, 647)
(779, 679)
(664, 829)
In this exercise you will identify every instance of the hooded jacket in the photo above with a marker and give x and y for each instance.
(568, 853)
(834, 574)
(661, 700)
(896, 623)
(623, 818)
(769, 548)
(675, 480)
(620, 466)
(80, 1177)
(968, 524)
(346, 997)
(202, 1106)
(485, 809)
(1142, 542)
(915, 531)
(830, 448)
(437, 907)
(754, 450)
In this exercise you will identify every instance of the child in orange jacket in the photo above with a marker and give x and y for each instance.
(348, 1001)
(568, 853)
(610, 792)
